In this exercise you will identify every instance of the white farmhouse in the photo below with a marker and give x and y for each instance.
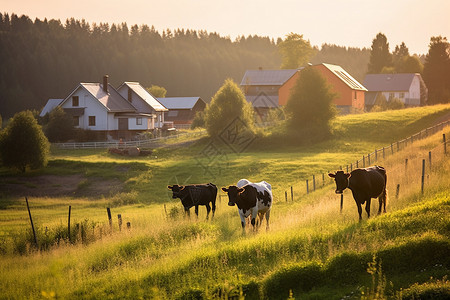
(408, 87)
(111, 113)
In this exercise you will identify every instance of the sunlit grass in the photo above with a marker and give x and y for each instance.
(164, 255)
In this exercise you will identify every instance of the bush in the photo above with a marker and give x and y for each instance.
(23, 144)
(59, 127)
(310, 107)
(228, 104)
(199, 120)
(395, 103)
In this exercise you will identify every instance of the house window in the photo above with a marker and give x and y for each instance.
(75, 101)
(76, 121)
(138, 121)
(355, 96)
(402, 95)
(391, 96)
(91, 120)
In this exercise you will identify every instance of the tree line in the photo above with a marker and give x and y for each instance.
(44, 59)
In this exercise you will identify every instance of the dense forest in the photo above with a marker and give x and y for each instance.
(44, 59)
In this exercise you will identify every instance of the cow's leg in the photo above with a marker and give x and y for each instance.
(208, 209)
(187, 212)
(267, 219)
(196, 210)
(368, 207)
(254, 216)
(242, 221)
(359, 210)
(380, 204)
(213, 207)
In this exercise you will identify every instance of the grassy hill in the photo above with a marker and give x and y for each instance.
(312, 251)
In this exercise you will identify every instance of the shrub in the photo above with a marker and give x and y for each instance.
(228, 104)
(310, 107)
(59, 127)
(23, 144)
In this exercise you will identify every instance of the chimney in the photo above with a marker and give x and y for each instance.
(105, 83)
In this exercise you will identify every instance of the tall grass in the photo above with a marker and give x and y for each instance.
(312, 249)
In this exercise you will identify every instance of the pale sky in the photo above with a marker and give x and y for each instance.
(342, 22)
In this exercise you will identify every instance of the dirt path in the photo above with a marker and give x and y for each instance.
(57, 186)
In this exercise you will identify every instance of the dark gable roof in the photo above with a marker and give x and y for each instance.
(267, 77)
(388, 82)
(179, 102)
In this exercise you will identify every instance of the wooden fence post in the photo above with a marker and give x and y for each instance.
(128, 225)
(32, 225)
(119, 217)
(429, 158)
(423, 173)
(397, 192)
(68, 224)
(445, 145)
(368, 159)
(364, 161)
(108, 210)
(314, 182)
(384, 153)
(323, 179)
(285, 195)
(406, 165)
(392, 148)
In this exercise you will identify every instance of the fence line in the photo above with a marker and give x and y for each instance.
(147, 143)
(376, 155)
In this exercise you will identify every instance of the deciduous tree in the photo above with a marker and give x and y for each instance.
(157, 91)
(23, 144)
(310, 107)
(228, 104)
(295, 51)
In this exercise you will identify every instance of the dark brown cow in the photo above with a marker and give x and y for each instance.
(195, 195)
(365, 184)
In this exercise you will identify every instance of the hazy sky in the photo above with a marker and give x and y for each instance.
(342, 22)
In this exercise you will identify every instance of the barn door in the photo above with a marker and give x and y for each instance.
(123, 123)
(123, 128)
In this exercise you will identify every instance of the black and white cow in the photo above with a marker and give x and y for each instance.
(365, 184)
(195, 195)
(253, 199)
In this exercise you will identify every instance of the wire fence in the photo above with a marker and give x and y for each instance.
(412, 162)
(144, 143)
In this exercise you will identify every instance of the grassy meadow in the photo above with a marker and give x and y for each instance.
(312, 250)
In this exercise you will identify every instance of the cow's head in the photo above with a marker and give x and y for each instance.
(176, 190)
(341, 180)
(233, 192)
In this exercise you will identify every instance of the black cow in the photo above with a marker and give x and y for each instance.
(195, 195)
(365, 184)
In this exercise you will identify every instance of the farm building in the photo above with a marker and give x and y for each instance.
(182, 110)
(267, 89)
(103, 109)
(408, 87)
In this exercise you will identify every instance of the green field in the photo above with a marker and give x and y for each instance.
(312, 250)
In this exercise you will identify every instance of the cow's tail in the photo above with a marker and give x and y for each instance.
(383, 196)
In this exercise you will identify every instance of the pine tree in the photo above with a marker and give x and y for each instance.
(379, 56)
(436, 72)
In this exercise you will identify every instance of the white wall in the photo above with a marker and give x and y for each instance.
(92, 107)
